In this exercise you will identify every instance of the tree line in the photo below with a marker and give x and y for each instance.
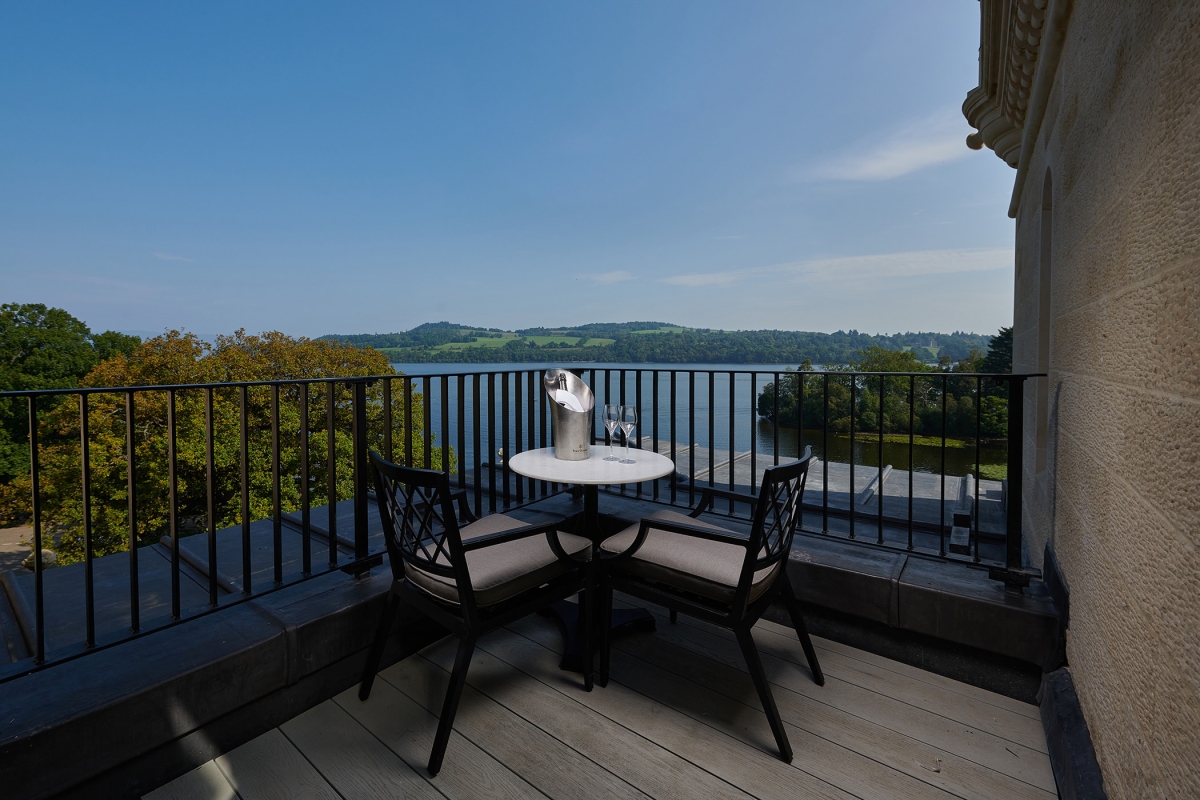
(935, 395)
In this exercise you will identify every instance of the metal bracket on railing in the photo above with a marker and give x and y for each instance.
(362, 566)
(1014, 579)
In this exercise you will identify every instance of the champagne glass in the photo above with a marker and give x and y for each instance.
(612, 418)
(628, 423)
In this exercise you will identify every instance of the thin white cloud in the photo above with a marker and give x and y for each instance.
(169, 257)
(858, 268)
(937, 139)
(606, 278)
(709, 278)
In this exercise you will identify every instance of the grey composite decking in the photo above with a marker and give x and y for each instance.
(679, 719)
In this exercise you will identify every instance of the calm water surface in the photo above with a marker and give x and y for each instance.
(731, 397)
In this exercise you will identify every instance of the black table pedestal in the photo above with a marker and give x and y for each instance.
(567, 613)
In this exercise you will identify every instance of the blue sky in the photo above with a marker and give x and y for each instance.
(321, 168)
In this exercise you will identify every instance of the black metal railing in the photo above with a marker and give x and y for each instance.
(210, 442)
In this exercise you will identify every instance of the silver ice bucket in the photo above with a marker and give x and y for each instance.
(572, 429)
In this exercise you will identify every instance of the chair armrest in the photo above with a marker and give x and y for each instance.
(675, 527)
(464, 507)
(710, 493)
(550, 531)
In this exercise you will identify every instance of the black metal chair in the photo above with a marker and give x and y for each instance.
(472, 579)
(717, 575)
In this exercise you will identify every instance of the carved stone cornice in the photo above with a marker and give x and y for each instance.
(1010, 41)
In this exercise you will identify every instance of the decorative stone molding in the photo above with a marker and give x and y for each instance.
(1010, 40)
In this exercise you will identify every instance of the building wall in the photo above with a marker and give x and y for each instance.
(1119, 498)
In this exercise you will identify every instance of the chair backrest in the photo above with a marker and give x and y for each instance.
(419, 524)
(776, 515)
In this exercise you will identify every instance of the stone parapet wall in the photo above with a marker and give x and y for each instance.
(1120, 497)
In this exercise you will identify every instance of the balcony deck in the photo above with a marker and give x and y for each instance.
(680, 718)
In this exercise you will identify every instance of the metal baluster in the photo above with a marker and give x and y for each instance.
(361, 471)
(35, 479)
(475, 448)
(504, 440)
(428, 426)
(518, 432)
(775, 420)
(654, 426)
(387, 419)
(732, 431)
(637, 399)
(408, 423)
(712, 428)
(542, 406)
(305, 504)
(135, 603)
(331, 467)
(173, 502)
(853, 409)
(247, 569)
(942, 508)
(912, 399)
(753, 433)
(674, 425)
(446, 424)
(85, 469)
(462, 432)
(692, 438)
(879, 489)
(825, 456)
(210, 480)
(491, 449)
(978, 477)
(276, 499)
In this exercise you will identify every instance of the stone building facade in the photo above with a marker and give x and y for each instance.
(1097, 105)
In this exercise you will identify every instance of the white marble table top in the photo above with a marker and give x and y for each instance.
(543, 466)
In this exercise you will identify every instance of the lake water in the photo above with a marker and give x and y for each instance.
(729, 390)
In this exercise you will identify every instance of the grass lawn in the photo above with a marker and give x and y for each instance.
(541, 340)
(671, 329)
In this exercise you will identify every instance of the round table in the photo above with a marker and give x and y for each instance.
(592, 473)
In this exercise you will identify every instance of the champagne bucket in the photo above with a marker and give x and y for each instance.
(571, 428)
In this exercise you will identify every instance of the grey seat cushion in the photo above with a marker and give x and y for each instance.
(501, 571)
(701, 566)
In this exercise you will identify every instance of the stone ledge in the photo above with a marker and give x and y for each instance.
(944, 600)
(145, 711)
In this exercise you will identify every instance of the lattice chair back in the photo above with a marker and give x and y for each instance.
(777, 514)
(419, 524)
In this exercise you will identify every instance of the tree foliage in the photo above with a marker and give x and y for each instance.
(43, 348)
(942, 398)
(176, 359)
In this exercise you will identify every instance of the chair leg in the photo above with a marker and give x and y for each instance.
(606, 598)
(793, 607)
(376, 654)
(750, 653)
(450, 707)
(587, 615)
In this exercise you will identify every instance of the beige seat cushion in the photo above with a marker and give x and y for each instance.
(500, 571)
(701, 566)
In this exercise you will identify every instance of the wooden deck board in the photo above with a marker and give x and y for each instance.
(271, 768)
(903, 751)
(554, 768)
(623, 752)
(679, 719)
(353, 761)
(407, 729)
(205, 782)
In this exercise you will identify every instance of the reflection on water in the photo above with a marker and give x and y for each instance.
(926, 458)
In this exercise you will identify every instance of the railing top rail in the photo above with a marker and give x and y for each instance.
(349, 379)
